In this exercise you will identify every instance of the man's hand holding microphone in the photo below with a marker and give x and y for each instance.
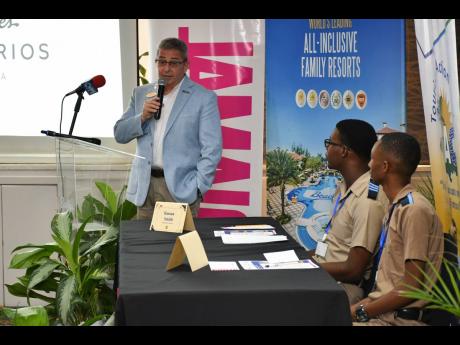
(153, 102)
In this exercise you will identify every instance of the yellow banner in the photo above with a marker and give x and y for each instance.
(437, 57)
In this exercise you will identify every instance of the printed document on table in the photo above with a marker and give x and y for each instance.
(248, 239)
(245, 227)
(284, 256)
(265, 265)
(270, 232)
(223, 266)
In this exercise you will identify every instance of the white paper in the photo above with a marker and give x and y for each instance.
(284, 256)
(248, 239)
(268, 232)
(265, 265)
(253, 226)
(223, 266)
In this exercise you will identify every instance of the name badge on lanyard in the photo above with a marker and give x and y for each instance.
(321, 249)
(321, 246)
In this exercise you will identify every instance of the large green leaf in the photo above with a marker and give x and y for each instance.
(28, 316)
(126, 212)
(76, 241)
(67, 291)
(108, 194)
(94, 226)
(87, 209)
(42, 273)
(31, 269)
(29, 258)
(111, 235)
(19, 290)
(103, 213)
(53, 246)
(49, 284)
(61, 225)
(99, 205)
(129, 210)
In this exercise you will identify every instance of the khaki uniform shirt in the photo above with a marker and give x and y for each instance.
(415, 232)
(356, 224)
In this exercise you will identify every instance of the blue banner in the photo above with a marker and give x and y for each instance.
(318, 72)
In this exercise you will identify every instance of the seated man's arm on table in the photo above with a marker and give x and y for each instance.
(351, 270)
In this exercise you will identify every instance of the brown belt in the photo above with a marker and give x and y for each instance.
(157, 173)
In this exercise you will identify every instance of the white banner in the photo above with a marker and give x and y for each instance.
(43, 59)
(437, 57)
(228, 57)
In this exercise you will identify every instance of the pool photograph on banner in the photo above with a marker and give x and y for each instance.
(319, 72)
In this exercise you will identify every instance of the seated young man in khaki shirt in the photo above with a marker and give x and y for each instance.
(411, 236)
(351, 237)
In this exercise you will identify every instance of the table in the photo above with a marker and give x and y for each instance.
(150, 295)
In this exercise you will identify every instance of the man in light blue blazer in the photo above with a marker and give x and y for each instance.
(183, 147)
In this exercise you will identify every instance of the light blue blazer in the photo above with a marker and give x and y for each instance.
(192, 145)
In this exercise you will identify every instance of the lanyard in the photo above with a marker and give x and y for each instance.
(382, 241)
(384, 234)
(341, 202)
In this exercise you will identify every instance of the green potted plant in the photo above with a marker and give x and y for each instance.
(79, 265)
(442, 292)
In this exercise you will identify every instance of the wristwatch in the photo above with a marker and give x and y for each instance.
(361, 314)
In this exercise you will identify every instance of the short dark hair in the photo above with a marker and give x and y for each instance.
(405, 148)
(358, 135)
(174, 43)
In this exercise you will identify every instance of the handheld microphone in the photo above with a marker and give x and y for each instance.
(160, 94)
(89, 86)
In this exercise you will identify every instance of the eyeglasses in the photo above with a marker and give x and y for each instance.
(328, 142)
(172, 63)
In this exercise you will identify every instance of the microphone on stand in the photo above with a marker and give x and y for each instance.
(89, 86)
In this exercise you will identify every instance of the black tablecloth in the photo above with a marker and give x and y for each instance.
(150, 295)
